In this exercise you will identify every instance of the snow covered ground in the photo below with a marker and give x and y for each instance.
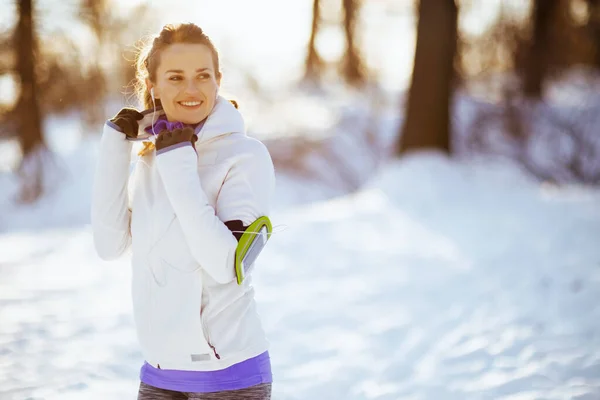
(439, 280)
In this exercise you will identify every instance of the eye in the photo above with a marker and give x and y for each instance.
(175, 78)
(204, 76)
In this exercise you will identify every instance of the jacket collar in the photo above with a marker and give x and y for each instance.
(223, 119)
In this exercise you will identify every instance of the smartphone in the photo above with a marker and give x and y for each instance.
(255, 248)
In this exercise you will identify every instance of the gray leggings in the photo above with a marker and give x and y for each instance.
(258, 392)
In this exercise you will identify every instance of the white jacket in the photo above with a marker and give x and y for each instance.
(189, 311)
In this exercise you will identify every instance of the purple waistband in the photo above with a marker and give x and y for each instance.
(251, 372)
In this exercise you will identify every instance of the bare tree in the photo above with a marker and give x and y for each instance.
(537, 58)
(593, 27)
(352, 66)
(427, 123)
(53, 77)
(314, 63)
(96, 14)
(28, 114)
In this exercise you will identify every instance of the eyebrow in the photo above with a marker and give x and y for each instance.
(180, 71)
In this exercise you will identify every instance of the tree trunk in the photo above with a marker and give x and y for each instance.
(30, 131)
(594, 28)
(352, 65)
(537, 58)
(28, 112)
(427, 123)
(314, 63)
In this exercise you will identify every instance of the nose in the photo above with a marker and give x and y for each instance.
(191, 87)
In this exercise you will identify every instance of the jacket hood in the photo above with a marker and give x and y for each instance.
(222, 120)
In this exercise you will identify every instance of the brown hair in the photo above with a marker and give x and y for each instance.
(149, 57)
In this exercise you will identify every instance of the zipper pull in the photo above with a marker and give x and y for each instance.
(215, 351)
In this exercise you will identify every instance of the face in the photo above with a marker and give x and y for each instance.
(186, 82)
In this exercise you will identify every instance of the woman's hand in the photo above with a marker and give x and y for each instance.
(179, 135)
(127, 120)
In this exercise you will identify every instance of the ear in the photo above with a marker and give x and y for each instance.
(150, 86)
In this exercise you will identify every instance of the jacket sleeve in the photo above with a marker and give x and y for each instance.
(110, 212)
(244, 195)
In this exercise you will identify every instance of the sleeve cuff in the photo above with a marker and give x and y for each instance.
(114, 126)
(173, 147)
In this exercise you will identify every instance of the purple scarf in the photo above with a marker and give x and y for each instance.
(162, 123)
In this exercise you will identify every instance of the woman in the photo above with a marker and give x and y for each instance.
(181, 212)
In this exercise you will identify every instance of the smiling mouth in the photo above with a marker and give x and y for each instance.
(190, 104)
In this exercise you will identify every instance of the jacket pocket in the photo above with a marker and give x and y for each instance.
(176, 324)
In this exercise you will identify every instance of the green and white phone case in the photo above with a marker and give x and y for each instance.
(250, 245)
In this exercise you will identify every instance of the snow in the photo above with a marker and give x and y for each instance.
(439, 279)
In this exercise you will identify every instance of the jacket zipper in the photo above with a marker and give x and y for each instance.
(206, 334)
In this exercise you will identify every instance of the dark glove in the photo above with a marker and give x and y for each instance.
(168, 138)
(127, 120)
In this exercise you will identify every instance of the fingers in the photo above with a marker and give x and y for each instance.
(164, 139)
(128, 126)
(167, 138)
(127, 120)
(183, 133)
(165, 134)
(133, 126)
(130, 113)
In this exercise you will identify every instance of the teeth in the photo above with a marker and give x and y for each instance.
(190, 103)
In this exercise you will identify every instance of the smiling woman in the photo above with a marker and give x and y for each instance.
(185, 212)
(186, 95)
(182, 66)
